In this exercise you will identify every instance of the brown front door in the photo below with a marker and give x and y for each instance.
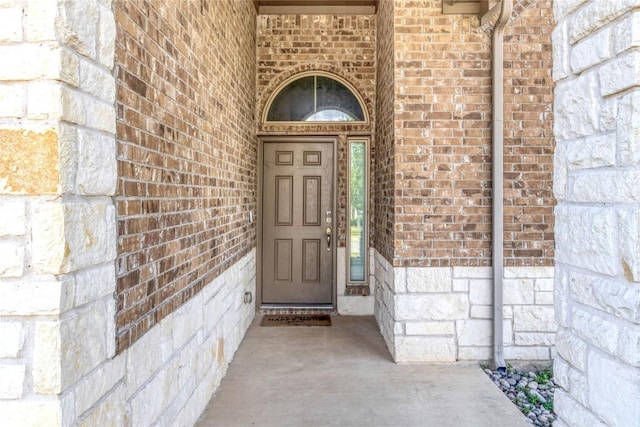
(297, 227)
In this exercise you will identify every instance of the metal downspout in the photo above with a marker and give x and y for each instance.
(497, 71)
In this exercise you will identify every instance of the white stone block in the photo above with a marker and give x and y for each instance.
(94, 283)
(107, 37)
(27, 298)
(561, 373)
(626, 34)
(507, 312)
(587, 237)
(629, 345)
(12, 216)
(11, 258)
(11, 339)
(613, 391)
(22, 62)
(533, 318)
(474, 332)
(560, 52)
(97, 384)
(610, 295)
(592, 152)
(518, 291)
(527, 353)
(97, 168)
(430, 328)
(572, 349)
(108, 412)
(72, 236)
(40, 20)
(543, 285)
(544, 298)
(579, 386)
(97, 81)
(20, 413)
(12, 384)
(424, 349)
(591, 51)
(563, 8)
(83, 341)
(77, 23)
(431, 306)
(473, 272)
(481, 312)
(571, 412)
(475, 353)
(560, 171)
(187, 320)
(596, 14)
(11, 25)
(630, 244)
(576, 108)
(429, 279)
(146, 357)
(12, 101)
(608, 115)
(535, 338)
(481, 292)
(621, 74)
(595, 329)
(617, 186)
(460, 285)
(47, 369)
(628, 129)
(397, 280)
(528, 272)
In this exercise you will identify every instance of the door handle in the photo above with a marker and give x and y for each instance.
(328, 233)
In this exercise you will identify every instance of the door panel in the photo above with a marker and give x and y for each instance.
(297, 223)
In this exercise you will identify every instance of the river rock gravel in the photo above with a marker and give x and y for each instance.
(530, 390)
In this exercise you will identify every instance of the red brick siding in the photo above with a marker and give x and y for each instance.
(443, 144)
(186, 151)
(383, 190)
(529, 142)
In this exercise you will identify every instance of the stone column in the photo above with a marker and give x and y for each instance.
(597, 183)
(57, 217)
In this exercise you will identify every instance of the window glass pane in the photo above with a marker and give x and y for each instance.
(333, 95)
(357, 211)
(315, 99)
(294, 103)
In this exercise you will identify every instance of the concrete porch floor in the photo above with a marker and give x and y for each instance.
(343, 376)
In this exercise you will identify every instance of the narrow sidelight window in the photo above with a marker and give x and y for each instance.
(358, 215)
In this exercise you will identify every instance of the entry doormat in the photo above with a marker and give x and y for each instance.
(296, 320)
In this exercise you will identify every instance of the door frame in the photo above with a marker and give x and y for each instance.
(333, 140)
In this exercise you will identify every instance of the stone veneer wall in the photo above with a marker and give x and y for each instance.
(597, 184)
(432, 274)
(58, 236)
(187, 152)
(444, 314)
(57, 218)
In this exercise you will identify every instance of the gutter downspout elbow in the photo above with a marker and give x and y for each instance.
(497, 72)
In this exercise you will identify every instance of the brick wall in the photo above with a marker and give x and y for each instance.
(596, 66)
(443, 145)
(343, 45)
(186, 152)
(383, 190)
(529, 143)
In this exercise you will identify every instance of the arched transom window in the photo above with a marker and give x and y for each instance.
(315, 98)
